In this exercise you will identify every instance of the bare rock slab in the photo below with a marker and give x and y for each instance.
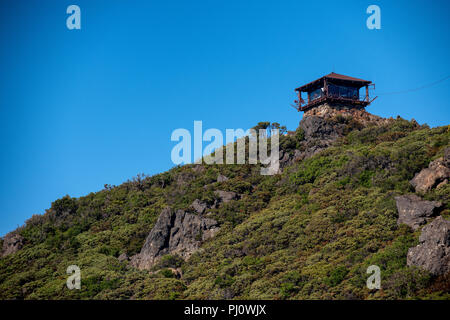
(433, 252)
(414, 212)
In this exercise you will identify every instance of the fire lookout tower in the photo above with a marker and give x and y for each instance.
(334, 89)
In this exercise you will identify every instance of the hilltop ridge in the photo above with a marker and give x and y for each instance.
(225, 231)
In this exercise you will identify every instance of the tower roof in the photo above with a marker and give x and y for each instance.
(335, 76)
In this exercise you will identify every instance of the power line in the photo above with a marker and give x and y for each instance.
(416, 89)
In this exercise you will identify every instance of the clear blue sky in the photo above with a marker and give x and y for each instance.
(81, 108)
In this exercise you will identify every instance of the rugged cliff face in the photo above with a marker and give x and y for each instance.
(12, 243)
(175, 232)
(354, 190)
(433, 252)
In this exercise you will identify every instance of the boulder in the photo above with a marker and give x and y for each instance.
(437, 173)
(221, 178)
(12, 243)
(175, 232)
(414, 212)
(199, 206)
(433, 252)
(226, 196)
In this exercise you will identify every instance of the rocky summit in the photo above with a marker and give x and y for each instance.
(354, 190)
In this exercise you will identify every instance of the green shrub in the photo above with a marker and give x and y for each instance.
(336, 276)
(167, 273)
(224, 281)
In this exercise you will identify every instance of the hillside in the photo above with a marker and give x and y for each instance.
(309, 232)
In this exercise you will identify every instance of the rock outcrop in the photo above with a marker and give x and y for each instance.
(199, 206)
(316, 127)
(433, 252)
(437, 174)
(330, 111)
(12, 243)
(226, 196)
(414, 212)
(221, 178)
(321, 128)
(319, 133)
(175, 232)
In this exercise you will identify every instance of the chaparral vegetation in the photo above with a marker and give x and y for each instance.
(309, 232)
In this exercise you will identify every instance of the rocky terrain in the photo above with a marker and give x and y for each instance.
(433, 252)
(175, 232)
(325, 111)
(415, 212)
(354, 190)
(436, 175)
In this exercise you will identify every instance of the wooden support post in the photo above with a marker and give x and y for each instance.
(299, 94)
(325, 87)
(367, 93)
